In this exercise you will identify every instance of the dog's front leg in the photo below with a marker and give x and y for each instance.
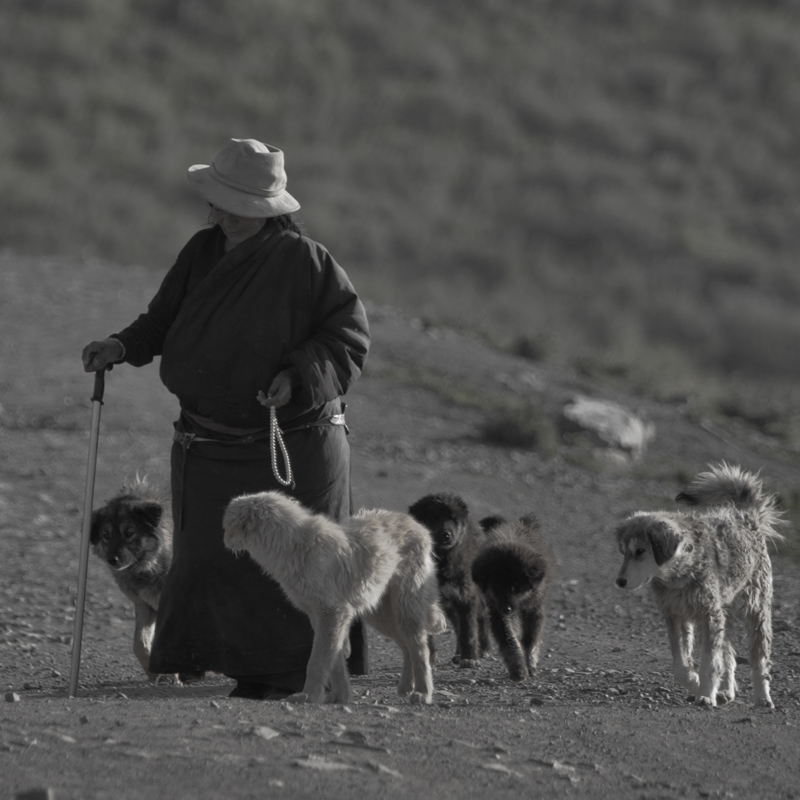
(330, 628)
(681, 642)
(144, 628)
(484, 644)
(532, 630)
(505, 630)
(467, 633)
(454, 618)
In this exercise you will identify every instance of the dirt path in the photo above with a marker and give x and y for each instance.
(603, 718)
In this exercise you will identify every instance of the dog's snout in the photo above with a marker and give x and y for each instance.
(622, 583)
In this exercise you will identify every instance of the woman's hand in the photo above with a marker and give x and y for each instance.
(280, 391)
(98, 355)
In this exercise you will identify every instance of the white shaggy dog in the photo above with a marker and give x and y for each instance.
(703, 564)
(377, 564)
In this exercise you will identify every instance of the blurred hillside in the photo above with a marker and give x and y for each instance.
(611, 182)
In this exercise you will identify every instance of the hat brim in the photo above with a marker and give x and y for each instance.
(242, 204)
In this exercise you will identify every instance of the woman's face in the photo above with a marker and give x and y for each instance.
(236, 229)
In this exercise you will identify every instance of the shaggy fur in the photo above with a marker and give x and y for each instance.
(491, 522)
(703, 565)
(513, 573)
(377, 564)
(133, 536)
(456, 539)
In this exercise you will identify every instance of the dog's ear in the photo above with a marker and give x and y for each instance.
(98, 515)
(530, 520)
(147, 513)
(535, 570)
(491, 522)
(430, 511)
(664, 541)
(422, 510)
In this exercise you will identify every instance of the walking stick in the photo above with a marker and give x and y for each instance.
(83, 567)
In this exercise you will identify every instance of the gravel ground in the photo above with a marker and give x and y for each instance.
(603, 716)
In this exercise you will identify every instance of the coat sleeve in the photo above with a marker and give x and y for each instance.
(333, 357)
(144, 338)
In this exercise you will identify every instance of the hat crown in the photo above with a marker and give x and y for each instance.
(246, 178)
(250, 166)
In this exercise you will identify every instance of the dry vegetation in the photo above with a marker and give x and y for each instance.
(607, 182)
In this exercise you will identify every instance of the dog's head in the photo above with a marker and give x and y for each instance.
(648, 542)
(446, 517)
(252, 521)
(127, 530)
(509, 574)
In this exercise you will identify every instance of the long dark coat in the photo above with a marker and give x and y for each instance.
(224, 324)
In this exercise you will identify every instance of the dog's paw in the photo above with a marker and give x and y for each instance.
(298, 697)
(690, 681)
(419, 699)
(764, 702)
(469, 663)
(704, 702)
(723, 698)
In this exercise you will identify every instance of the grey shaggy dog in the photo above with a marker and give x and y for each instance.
(513, 571)
(702, 566)
(132, 535)
(456, 540)
(376, 565)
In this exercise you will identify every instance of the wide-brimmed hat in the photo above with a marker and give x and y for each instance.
(246, 178)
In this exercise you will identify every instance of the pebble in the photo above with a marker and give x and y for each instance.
(537, 701)
(263, 732)
(12, 697)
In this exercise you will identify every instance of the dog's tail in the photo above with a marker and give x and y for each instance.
(729, 484)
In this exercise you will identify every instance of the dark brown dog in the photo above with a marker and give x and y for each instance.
(132, 534)
(513, 572)
(456, 539)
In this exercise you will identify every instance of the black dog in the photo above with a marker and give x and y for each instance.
(133, 536)
(512, 572)
(456, 539)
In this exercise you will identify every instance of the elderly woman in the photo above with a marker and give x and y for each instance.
(253, 315)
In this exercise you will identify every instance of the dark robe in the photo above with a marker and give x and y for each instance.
(224, 325)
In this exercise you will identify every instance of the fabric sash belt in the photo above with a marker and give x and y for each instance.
(186, 440)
